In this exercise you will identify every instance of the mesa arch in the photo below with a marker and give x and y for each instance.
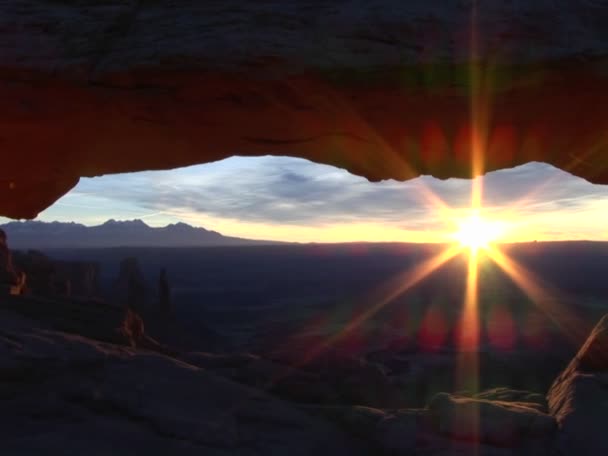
(384, 89)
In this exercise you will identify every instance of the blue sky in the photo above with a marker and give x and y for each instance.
(297, 200)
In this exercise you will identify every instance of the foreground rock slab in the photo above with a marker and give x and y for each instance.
(579, 398)
(66, 394)
(492, 422)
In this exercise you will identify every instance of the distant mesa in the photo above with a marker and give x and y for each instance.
(116, 233)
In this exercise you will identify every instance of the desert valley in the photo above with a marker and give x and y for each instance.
(267, 332)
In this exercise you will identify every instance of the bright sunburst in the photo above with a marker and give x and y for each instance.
(476, 232)
(472, 234)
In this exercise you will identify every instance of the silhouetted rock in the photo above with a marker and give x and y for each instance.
(435, 445)
(127, 233)
(527, 398)
(367, 384)
(355, 418)
(579, 398)
(133, 328)
(451, 426)
(492, 422)
(219, 361)
(83, 277)
(12, 281)
(67, 394)
(397, 433)
(283, 380)
(164, 293)
(50, 277)
(352, 378)
(131, 287)
(40, 270)
(390, 433)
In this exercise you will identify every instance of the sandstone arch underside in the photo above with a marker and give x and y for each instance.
(384, 89)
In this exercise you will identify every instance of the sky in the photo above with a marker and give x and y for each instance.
(290, 199)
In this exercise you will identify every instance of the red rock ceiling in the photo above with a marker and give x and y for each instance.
(90, 88)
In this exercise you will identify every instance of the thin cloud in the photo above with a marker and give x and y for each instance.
(289, 191)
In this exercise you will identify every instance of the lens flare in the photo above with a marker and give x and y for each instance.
(476, 233)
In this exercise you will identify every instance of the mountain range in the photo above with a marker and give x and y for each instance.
(113, 233)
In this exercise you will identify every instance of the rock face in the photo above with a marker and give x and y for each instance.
(389, 433)
(65, 366)
(82, 275)
(353, 380)
(285, 381)
(50, 277)
(164, 293)
(490, 422)
(41, 271)
(131, 287)
(99, 399)
(505, 429)
(532, 400)
(382, 89)
(579, 398)
(11, 280)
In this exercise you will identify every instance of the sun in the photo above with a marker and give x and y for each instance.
(476, 232)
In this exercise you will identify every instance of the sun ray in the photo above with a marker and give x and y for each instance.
(467, 374)
(467, 365)
(568, 322)
(389, 292)
(396, 287)
(476, 239)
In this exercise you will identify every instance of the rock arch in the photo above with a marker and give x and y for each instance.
(382, 89)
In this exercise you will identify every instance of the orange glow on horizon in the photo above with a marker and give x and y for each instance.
(476, 232)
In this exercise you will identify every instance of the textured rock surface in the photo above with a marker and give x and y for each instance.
(415, 432)
(48, 277)
(11, 281)
(69, 394)
(503, 394)
(70, 382)
(579, 398)
(389, 433)
(131, 289)
(397, 433)
(491, 422)
(381, 88)
(347, 381)
(283, 380)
